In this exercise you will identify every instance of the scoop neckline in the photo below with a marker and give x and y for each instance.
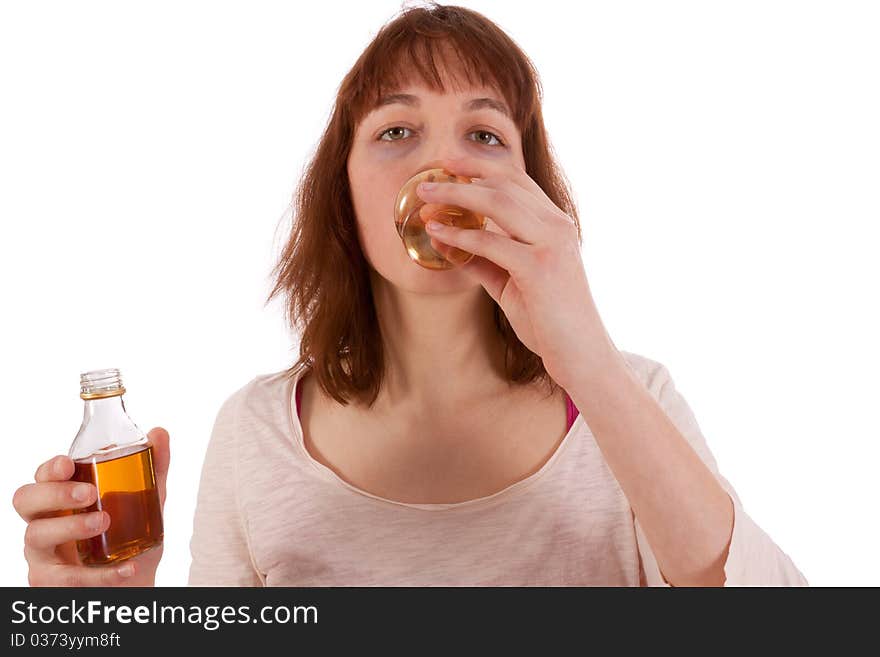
(329, 475)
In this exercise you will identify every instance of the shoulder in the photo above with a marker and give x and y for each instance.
(656, 378)
(263, 394)
(653, 374)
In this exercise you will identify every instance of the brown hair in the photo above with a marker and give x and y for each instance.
(322, 271)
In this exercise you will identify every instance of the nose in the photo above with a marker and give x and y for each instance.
(439, 163)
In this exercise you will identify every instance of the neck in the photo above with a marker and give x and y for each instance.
(439, 348)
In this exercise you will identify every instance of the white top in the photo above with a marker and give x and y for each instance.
(268, 514)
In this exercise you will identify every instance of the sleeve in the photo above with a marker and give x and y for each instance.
(753, 558)
(220, 549)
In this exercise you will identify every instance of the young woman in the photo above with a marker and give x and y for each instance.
(471, 426)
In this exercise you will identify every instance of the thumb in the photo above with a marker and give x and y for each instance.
(161, 458)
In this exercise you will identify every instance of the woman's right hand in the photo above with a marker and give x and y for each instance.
(53, 529)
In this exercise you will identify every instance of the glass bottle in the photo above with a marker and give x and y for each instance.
(410, 221)
(112, 453)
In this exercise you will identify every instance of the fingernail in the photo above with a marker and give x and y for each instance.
(80, 492)
(427, 187)
(95, 520)
(125, 571)
(436, 226)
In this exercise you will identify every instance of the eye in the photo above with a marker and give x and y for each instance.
(396, 128)
(484, 133)
(396, 133)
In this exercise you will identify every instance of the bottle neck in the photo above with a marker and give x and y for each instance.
(106, 429)
(106, 407)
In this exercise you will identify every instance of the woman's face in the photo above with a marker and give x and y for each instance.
(415, 129)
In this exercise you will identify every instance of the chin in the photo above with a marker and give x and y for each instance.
(408, 276)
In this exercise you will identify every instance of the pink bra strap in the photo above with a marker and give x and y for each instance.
(572, 411)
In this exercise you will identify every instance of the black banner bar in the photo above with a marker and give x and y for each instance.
(86, 620)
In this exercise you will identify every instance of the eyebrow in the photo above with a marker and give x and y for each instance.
(471, 105)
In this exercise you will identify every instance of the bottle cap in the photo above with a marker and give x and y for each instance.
(98, 384)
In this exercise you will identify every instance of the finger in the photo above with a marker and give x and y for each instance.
(501, 250)
(440, 212)
(506, 211)
(161, 458)
(58, 468)
(436, 211)
(480, 168)
(516, 182)
(42, 536)
(109, 575)
(32, 500)
(492, 277)
(539, 204)
(429, 210)
(512, 179)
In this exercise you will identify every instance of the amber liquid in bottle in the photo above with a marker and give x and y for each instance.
(127, 492)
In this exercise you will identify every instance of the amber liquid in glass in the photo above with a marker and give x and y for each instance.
(418, 241)
(411, 214)
(127, 491)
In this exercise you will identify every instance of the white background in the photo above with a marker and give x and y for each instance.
(724, 157)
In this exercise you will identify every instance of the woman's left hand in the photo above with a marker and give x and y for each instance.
(534, 271)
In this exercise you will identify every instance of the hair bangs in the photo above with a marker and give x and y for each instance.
(440, 54)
